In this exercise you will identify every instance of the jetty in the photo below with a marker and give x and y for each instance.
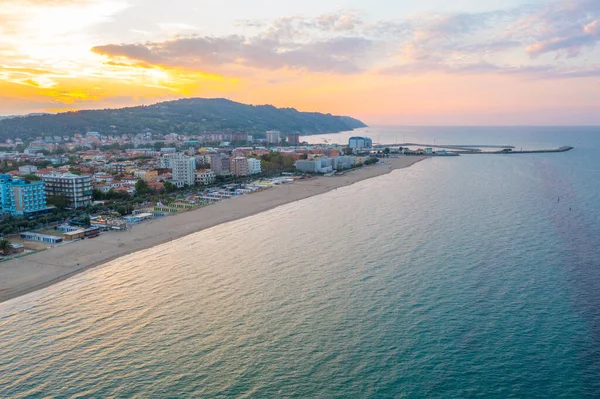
(510, 151)
(471, 149)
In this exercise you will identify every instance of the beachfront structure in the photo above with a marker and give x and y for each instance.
(254, 167)
(176, 207)
(48, 239)
(359, 143)
(205, 177)
(239, 166)
(317, 165)
(220, 164)
(22, 198)
(166, 160)
(139, 218)
(183, 171)
(273, 136)
(343, 162)
(77, 190)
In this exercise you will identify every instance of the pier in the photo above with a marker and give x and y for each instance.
(510, 151)
(469, 149)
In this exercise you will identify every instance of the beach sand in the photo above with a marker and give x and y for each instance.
(24, 275)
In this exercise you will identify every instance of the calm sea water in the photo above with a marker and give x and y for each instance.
(457, 277)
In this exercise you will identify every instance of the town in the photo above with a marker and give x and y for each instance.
(60, 189)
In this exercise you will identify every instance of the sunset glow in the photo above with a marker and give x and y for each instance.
(514, 62)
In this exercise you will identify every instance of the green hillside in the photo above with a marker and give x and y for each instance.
(186, 116)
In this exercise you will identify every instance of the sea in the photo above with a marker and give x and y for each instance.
(459, 277)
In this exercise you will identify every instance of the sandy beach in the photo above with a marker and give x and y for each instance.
(24, 275)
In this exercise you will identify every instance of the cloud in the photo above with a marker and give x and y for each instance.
(546, 71)
(565, 28)
(339, 55)
(474, 68)
(347, 42)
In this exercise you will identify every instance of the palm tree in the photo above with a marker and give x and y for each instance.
(6, 247)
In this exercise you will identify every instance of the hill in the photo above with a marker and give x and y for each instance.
(186, 116)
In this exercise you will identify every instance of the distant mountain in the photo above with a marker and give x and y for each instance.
(19, 116)
(186, 116)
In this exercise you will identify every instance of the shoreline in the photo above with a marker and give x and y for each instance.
(31, 273)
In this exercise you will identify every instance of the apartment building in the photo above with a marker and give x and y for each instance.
(254, 167)
(183, 171)
(239, 166)
(77, 190)
(20, 197)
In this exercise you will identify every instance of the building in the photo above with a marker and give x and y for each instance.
(28, 169)
(293, 139)
(123, 167)
(343, 162)
(77, 190)
(359, 143)
(205, 177)
(48, 239)
(166, 160)
(254, 167)
(220, 164)
(146, 175)
(239, 166)
(22, 198)
(273, 136)
(317, 165)
(183, 171)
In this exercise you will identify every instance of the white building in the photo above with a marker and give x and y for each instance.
(28, 169)
(205, 177)
(317, 165)
(254, 166)
(166, 160)
(358, 143)
(273, 136)
(343, 162)
(183, 171)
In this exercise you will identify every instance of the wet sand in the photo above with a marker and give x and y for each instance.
(24, 275)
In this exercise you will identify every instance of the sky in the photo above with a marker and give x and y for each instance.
(427, 62)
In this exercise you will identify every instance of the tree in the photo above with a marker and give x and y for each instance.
(31, 177)
(6, 247)
(141, 187)
(97, 195)
(303, 156)
(117, 195)
(58, 201)
(170, 187)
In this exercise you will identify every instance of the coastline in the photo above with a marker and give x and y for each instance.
(24, 275)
